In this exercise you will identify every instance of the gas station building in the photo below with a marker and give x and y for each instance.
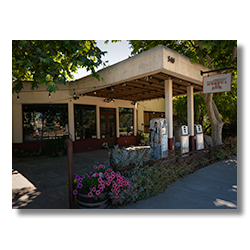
(110, 111)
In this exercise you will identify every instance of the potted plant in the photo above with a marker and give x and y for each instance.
(95, 189)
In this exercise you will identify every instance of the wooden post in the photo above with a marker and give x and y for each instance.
(69, 143)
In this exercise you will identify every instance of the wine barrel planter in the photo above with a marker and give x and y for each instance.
(83, 201)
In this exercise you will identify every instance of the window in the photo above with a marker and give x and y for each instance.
(151, 115)
(85, 121)
(126, 122)
(44, 121)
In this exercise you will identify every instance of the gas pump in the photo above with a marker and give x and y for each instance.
(158, 138)
(199, 137)
(184, 139)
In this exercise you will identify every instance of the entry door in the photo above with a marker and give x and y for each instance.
(108, 135)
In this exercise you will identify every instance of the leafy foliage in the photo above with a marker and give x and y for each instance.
(151, 180)
(56, 146)
(52, 62)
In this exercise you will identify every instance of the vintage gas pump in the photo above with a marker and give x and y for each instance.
(184, 139)
(158, 138)
(199, 137)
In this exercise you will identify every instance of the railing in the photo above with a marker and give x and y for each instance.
(178, 157)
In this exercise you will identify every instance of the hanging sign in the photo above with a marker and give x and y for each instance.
(217, 83)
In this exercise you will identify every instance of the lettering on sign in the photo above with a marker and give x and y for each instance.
(217, 83)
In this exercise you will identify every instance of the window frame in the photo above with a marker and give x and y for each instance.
(85, 105)
(41, 104)
(133, 117)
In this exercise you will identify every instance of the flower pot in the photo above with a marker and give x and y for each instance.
(83, 201)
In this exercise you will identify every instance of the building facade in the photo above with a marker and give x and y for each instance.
(111, 111)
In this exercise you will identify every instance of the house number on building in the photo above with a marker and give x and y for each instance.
(171, 59)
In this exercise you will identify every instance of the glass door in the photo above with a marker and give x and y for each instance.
(108, 135)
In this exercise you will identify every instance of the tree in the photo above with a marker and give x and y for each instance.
(214, 54)
(52, 62)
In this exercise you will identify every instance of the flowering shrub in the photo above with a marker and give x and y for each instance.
(102, 179)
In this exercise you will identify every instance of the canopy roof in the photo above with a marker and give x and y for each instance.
(142, 77)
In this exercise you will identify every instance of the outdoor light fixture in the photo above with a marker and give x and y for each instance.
(108, 100)
(94, 91)
(17, 96)
(112, 88)
(74, 94)
(49, 95)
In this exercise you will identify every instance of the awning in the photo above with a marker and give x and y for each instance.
(142, 77)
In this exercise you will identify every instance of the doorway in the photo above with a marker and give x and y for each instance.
(108, 127)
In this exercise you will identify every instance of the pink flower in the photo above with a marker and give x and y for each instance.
(100, 186)
(112, 189)
(101, 189)
(90, 194)
(116, 191)
(103, 183)
(95, 166)
(100, 180)
(124, 190)
(101, 166)
(97, 192)
(108, 183)
(109, 170)
(93, 189)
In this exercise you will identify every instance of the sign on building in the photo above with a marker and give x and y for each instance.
(217, 83)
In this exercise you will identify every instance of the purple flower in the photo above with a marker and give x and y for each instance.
(74, 192)
(79, 185)
(77, 177)
(80, 180)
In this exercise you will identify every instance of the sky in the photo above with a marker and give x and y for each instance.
(116, 52)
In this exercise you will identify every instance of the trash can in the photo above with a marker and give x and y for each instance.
(158, 138)
(184, 139)
(199, 137)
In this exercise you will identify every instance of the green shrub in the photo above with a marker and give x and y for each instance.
(56, 146)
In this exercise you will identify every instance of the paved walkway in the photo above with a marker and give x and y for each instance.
(212, 187)
(41, 184)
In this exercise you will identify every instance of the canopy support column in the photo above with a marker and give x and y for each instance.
(190, 115)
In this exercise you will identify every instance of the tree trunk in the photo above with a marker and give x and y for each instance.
(213, 113)
(215, 120)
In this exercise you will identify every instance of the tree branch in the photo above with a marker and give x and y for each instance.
(208, 58)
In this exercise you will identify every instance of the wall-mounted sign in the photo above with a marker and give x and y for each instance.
(217, 83)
